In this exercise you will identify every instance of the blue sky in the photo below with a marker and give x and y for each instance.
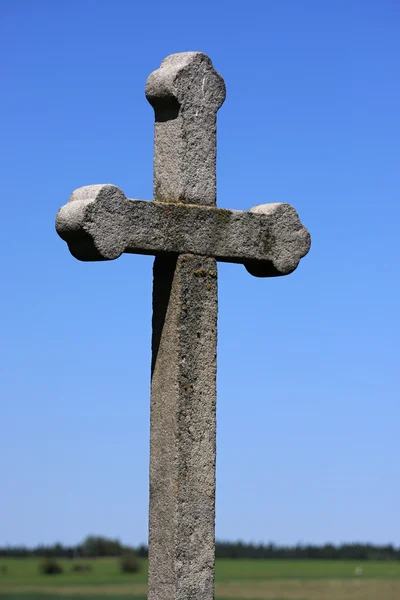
(308, 365)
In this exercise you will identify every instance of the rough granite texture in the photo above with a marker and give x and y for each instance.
(187, 233)
(183, 423)
(185, 93)
(99, 223)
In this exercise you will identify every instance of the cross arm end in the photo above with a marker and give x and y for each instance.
(76, 226)
(285, 244)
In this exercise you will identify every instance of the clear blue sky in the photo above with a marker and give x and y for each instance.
(308, 372)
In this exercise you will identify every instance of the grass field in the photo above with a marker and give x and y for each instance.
(235, 579)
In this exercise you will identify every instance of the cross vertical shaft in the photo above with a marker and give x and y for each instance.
(186, 93)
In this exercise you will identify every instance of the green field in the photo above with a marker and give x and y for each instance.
(235, 579)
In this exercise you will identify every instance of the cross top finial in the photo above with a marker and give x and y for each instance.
(187, 80)
(185, 92)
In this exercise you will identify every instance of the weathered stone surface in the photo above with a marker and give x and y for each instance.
(99, 223)
(187, 233)
(183, 399)
(186, 93)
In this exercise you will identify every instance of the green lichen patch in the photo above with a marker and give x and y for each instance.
(205, 273)
(223, 214)
(269, 243)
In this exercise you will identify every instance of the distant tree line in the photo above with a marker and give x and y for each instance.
(91, 547)
(98, 546)
(307, 551)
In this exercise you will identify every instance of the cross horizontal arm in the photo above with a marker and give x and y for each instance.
(100, 223)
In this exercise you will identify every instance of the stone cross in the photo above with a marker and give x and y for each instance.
(187, 233)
